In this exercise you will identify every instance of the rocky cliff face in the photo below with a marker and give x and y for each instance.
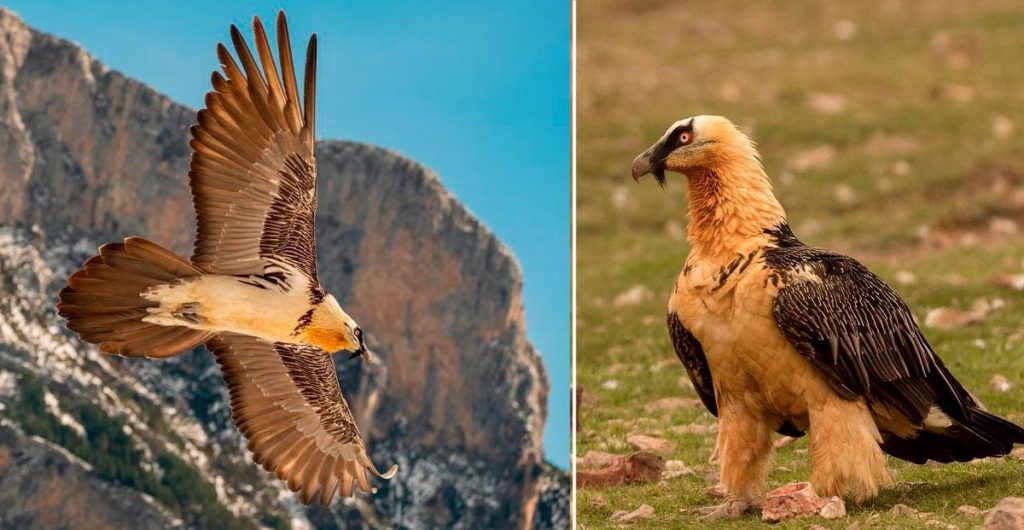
(457, 397)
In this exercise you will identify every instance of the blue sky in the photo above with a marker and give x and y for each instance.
(478, 91)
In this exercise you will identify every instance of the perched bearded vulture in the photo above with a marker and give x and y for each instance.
(779, 336)
(250, 291)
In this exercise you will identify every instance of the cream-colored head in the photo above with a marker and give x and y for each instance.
(697, 143)
(332, 330)
(731, 198)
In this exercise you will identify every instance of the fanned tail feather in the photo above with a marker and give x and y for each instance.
(103, 300)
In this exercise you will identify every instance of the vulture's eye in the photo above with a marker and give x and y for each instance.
(685, 138)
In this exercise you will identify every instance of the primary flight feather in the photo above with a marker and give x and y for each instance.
(250, 292)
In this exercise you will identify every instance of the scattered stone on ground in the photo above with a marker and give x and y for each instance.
(906, 278)
(715, 492)
(620, 198)
(695, 428)
(844, 29)
(676, 469)
(817, 157)
(675, 230)
(645, 511)
(956, 50)
(947, 318)
(731, 509)
(1008, 514)
(845, 194)
(1000, 383)
(643, 442)
(827, 102)
(1003, 226)
(800, 500)
(1011, 281)
(729, 91)
(597, 460)
(610, 384)
(967, 509)
(633, 296)
(902, 168)
(672, 403)
(1002, 127)
(1017, 453)
(956, 92)
(663, 364)
(639, 467)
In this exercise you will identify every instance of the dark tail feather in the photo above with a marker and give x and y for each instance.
(982, 435)
(102, 302)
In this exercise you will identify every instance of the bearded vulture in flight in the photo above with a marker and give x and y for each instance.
(779, 336)
(250, 291)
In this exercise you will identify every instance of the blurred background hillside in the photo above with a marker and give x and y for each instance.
(894, 132)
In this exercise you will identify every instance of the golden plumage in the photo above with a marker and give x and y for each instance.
(778, 336)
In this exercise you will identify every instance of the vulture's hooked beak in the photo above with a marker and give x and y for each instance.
(643, 165)
(362, 351)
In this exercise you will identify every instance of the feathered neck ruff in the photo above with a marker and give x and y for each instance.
(731, 202)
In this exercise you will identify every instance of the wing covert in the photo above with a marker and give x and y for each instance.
(858, 332)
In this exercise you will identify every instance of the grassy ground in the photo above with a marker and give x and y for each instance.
(894, 132)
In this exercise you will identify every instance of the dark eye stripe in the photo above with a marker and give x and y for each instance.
(672, 142)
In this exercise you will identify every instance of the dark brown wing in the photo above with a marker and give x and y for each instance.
(286, 400)
(692, 356)
(862, 337)
(253, 173)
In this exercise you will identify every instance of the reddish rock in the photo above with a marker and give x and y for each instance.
(1007, 515)
(968, 510)
(597, 460)
(642, 442)
(800, 500)
(639, 467)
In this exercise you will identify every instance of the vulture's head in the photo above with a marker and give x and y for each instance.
(331, 329)
(697, 143)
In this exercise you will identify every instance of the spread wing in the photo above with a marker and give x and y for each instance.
(858, 332)
(253, 173)
(286, 400)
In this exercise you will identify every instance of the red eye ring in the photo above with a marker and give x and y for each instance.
(685, 138)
